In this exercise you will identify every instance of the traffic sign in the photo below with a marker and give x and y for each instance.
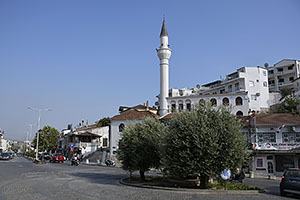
(226, 174)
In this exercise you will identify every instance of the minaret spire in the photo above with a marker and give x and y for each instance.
(164, 31)
(164, 54)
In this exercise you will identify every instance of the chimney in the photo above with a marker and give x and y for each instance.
(147, 105)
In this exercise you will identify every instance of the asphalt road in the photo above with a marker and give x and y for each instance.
(21, 179)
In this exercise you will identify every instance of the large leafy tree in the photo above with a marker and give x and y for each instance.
(49, 135)
(140, 145)
(204, 141)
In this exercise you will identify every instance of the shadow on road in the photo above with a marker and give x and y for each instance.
(100, 178)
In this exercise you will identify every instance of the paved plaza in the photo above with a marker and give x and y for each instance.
(22, 179)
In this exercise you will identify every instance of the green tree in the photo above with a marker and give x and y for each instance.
(204, 141)
(289, 105)
(50, 135)
(103, 122)
(140, 145)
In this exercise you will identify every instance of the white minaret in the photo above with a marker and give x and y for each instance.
(164, 54)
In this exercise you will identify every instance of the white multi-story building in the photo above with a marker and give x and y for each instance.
(244, 90)
(282, 74)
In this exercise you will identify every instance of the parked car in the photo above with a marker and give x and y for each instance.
(5, 156)
(290, 182)
(57, 158)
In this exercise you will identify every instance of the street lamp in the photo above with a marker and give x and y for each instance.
(39, 124)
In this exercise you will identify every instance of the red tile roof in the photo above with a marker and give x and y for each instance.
(274, 119)
(169, 116)
(134, 114)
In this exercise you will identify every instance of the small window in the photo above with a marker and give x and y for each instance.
(202, 102)
(237, 86)
(290, 67)
(265, 73)
(259, 163)
(271, 72)
(225, 101)
(238, 101)
(121, 127)
(280, 69)
(222, 91)
(180, 107)
(213, 102)
(251, 83)
(104, 142)
(291, 78)
(281, 80)
(173, 107)
(229, 88)
(188, 106)
(239, 114)
(253, 97)
(265, 84)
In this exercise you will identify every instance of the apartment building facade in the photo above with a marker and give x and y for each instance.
(282, 74)
(244, 90)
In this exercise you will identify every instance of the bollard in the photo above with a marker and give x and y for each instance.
(87, 161)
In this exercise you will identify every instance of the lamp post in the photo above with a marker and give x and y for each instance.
(47, 133)
(39, 124)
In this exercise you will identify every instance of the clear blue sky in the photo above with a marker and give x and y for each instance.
(86, 58)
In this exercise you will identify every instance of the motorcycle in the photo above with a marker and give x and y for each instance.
(75, 161)
(110, 163)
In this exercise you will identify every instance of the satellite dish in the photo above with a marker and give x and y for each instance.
(266, 65)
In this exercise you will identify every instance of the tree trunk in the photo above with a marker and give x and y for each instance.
(142, 174)
(203, 181)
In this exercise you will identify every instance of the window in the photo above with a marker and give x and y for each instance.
(237, 86)
(121, 127)
(291, 78)
(251, 83)
(266, 137)
(281, 80)
(239, 113)
(238, 101)
(173, 107)
(213, 102)
(229, 88)
(280, 69)
(290, 137)
(180, 106)
(201, 102)
(104, 142)
(225, 101)
(222, 91)
(188, 105)
(271, 72)
(253, 97)
(259, 162)
(290, 67)
(265, 84)
(265, 73)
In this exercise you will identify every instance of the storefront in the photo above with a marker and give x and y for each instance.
(274, 162)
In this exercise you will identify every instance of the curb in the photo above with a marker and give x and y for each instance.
(196, 191)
